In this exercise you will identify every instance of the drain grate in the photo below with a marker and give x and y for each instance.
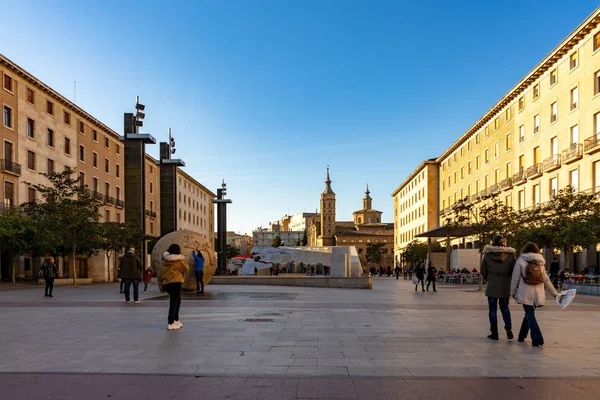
(269, 314)
(258, 320)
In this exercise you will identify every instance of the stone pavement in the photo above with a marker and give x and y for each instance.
(295, 335)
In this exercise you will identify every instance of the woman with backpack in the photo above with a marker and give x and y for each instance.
(528, 281)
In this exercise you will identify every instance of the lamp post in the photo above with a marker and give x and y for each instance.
(221, 203)
(168, 186)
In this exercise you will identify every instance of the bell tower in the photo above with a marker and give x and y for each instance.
(328, 214)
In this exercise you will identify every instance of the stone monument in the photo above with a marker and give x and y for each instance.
(188, 241)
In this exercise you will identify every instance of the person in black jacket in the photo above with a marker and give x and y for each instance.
(131, 271)
(49, 272)
(420, 274)
(431, 270)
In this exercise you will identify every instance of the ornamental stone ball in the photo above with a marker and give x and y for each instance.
(188, 241)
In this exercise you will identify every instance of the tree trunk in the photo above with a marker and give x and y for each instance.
(108, 266)
(480, 276)
(567, 259)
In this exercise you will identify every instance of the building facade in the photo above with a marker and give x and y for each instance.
(416, 205)
(264, 237)
(43, 132)
(541, 137)
(195, 211)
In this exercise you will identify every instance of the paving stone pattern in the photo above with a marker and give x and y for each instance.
(390, 331)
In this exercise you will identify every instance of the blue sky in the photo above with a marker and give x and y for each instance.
(267, 93)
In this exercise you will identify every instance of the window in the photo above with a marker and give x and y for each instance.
(469, 146)
(118, 193)
(574, 98)
(50, 166)
(30, 96)
(553, 112)
(521, 199)
(477, 139)
(50, 137)
(507, 141)
(496, 176)
(521, 103)
(487, 132)
(507, 114)
(81, 127)
(67, 146)
(107, 189)
(95, 160)
(49, 107)
(508, 170)
(536, 92)
(574, 179)
(486, 158)
(119, 221)
(553, 77)
(521, 133)
(151, 205)
(117, 170)
(497, 149)
(536, 195)
(117, 149)
(462, 173)
(536, 124)
(106, 142)
(521, 162)
(7, 117)
(477, 163)
(573, 60)
(30, 195)
(31, 160)
(8, 83)
(597, 82)
(106, 215)
(94, 135)
(151, 187)
(67, 118)
(597, 41)
(95, 185)
(30, 128)
(496, 124)
(106, 165)
(554, 146)
(81, 179)
(81, 153)
(536, 155)
(553, 187)
(469, 168)
(574, 134)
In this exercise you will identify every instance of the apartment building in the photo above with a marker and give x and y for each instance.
(152, 197)
(195, 211)
(416, 204)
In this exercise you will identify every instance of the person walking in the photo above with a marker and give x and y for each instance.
(170, 278)
(130, 271)
(529, 279)
(554, 270)
(49, 272)
(199, 271)
(497, 267)
(147, 277)
(397, 270)
(410, 272)
(420, 274)
(431, 270)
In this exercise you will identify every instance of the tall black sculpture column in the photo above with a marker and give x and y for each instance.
(221, 203)
(168, 186)
(135, 173)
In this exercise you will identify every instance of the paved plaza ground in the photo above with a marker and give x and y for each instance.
(288, 342)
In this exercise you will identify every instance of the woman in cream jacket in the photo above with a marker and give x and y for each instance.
(531, 296)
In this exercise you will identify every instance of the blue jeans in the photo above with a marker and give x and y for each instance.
(493, 308)
(136, 289)
(530, 323)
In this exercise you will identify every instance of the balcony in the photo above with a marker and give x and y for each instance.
(506, 184)
(552, 163)
(592, 144)
(10, 167)
(441, 214)
(151, 214)
(475, 198)
(519, 178)
(573, 153)
(119, 203)
(535, 171)
(97, 196)
(484, 193)
(494, 189)
(110, 200)
(447, 210)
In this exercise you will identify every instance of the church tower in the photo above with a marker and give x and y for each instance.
(367, 200)
(328, 214)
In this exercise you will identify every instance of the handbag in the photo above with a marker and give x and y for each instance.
(415, 281)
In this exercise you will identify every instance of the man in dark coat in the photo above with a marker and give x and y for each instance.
(420, 273)
(497, 267)
(131, 271)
